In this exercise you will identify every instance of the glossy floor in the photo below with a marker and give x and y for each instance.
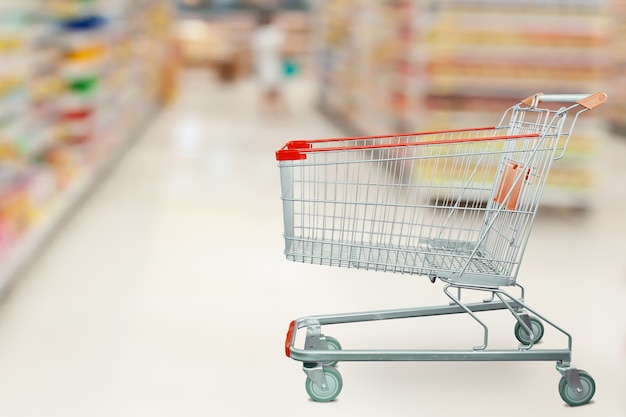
(166, 293)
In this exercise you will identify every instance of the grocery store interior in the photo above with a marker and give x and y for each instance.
(141, 224)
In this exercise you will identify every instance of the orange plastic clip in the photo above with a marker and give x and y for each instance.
(509, 183)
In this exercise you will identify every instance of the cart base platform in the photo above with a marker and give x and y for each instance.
(321, 353)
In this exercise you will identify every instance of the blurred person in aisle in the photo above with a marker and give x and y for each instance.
(267, 52)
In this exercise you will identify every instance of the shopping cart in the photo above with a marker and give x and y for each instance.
(454, 205)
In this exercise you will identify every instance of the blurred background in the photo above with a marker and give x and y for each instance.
(140, 215)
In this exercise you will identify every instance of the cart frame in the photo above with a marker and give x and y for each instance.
(507, 199)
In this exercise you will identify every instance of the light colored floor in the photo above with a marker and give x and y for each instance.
(167, 294)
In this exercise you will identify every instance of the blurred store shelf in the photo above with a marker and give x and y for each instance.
(432, 65)
(78, 80)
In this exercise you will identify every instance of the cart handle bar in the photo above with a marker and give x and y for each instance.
(590, 101)
(297, 150)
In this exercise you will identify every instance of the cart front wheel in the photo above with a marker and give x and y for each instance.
(333, 344)
(334, 384)
(522, 335)
(574, 398)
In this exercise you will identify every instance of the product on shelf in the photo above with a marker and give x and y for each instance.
(78, 78)
(618, 70)
(411, 65)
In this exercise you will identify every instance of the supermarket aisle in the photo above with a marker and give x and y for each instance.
(167, 295)
(136, 305)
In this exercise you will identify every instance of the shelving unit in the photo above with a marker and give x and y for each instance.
(617, 116)
(432, 65)
(85, 82)
(363, 54)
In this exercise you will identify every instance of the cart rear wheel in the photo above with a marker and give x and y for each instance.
(333, 344)
(574, 398)
(334, 384)
(522, 335)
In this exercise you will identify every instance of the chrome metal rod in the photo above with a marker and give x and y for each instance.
(399, 313)
(471, 313)
(430, 355)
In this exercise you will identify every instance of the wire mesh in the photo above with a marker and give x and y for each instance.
(455, 205)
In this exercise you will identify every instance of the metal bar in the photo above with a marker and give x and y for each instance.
(521, 303)
(457, 301)
(430, 355)
(400, 313)
(562, 98)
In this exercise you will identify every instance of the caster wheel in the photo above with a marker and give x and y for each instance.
(574, 398)
(522, 335)
(334, 384)
(333, 344)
